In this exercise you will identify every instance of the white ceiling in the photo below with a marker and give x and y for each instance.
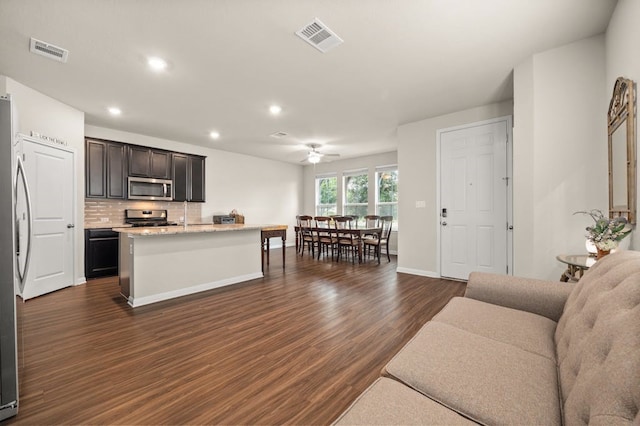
(401, 61)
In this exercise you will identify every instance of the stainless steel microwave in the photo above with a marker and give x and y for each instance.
(149, 189)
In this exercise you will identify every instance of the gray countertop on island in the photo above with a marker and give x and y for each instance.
(189, 229)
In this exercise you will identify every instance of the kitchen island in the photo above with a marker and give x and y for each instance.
(165, 262)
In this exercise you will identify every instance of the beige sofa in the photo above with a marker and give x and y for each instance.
(520, 351)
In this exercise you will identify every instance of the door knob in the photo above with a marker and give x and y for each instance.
(444, 223)
(71, 225)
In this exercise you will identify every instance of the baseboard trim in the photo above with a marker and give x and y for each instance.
(81, 280)
(146, 300)
(419, 272)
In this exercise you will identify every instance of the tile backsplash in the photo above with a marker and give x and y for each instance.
(113, 210)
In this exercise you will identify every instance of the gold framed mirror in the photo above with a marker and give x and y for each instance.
(621, 120)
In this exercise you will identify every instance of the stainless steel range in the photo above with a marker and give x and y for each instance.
(140, 218)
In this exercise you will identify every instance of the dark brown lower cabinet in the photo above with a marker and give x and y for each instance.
(101, 252)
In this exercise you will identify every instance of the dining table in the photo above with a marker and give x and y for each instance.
(359, 233)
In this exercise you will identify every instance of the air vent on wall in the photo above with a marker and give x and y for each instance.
(319, 36)
(48, 50)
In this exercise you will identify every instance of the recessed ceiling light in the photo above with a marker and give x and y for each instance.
(114, 111)
(275, 109)
(157, 64)
(214, 135)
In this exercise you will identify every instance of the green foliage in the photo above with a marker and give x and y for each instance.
(388, 210)
(328, 188)
(357, 189)
(606, 232)
(388, 184)
(360, 211)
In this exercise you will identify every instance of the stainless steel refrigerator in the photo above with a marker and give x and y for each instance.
(11, 174)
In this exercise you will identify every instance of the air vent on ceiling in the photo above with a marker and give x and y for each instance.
(319, 36)
(279, 135)
(48, 50)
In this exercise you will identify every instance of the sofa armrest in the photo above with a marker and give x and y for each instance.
(546, 298)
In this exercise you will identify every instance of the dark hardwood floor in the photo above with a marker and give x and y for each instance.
(295, 347)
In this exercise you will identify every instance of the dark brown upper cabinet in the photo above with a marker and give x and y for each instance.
(188, 178)
(105, 171)
(108, 164)
(149, 162)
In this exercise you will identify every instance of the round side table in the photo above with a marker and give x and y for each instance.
(577, 264)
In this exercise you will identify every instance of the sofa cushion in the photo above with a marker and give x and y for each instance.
(531, 332)
(388, 402)
(598, 343)
(546, 298)
(485, 380)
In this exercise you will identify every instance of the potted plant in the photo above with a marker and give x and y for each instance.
(606, 233)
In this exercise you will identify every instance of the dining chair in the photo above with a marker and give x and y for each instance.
(347, 241)
(298, 232)
(324, 235)
(354, 220)
(371, 221)
(306, 236)
(383, 240)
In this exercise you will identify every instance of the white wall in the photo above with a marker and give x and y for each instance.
(417, 240)
(369, 162)
(47, 116)
(265, 191)
(622, 59)
(560, 153)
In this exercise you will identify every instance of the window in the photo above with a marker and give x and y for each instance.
(356, 194)
(326, 195)
(387, 192)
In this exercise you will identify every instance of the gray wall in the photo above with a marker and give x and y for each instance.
(47, 116)
(622, 60)
(417, 240)
(559, 155)
(265, 191)
(369, 162)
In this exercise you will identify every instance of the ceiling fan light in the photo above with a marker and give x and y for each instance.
(314, 158)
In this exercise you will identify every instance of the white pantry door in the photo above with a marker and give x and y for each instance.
(50, 176)
(473, 199)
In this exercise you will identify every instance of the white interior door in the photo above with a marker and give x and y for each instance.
(50, 176)
(473, 199)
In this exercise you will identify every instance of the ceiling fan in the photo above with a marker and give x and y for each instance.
(314, 156)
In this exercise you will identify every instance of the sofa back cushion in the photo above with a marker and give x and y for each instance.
(598, 344)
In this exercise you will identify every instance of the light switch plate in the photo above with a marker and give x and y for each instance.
(421, 204)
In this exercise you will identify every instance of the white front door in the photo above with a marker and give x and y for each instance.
(50, 176)
(473, 199)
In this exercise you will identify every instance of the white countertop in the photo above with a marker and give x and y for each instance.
(189, 229)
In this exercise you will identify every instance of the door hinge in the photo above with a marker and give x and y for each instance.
(507, 269)
(506, 180)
